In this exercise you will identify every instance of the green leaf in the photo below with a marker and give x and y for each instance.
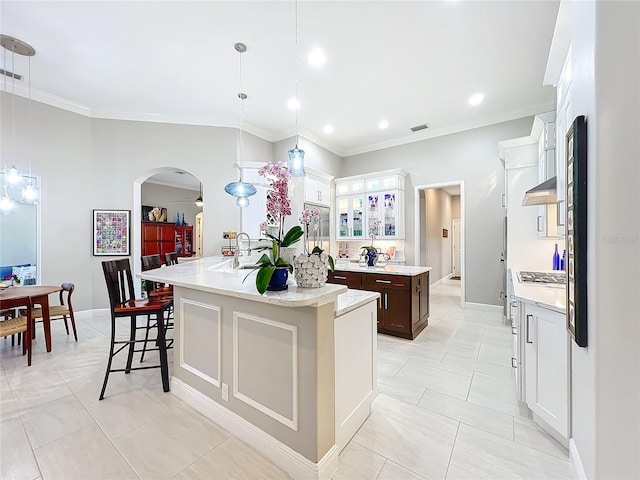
(263, 278)
(281, 262)
(331, 264)
(317, 250)
(264, 261)
(292, 236)
(275, 250)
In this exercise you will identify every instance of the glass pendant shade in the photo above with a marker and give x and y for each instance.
(30, 193)
(13, 176)
(242, 191)
(6, 204)
(296, 162)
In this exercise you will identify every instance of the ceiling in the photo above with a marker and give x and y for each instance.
(409, 63)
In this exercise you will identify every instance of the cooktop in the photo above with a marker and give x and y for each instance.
(558, 277)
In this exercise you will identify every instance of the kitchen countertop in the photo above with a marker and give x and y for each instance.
(550, 296)
(215, 275)
(405, 270)
(352, 299)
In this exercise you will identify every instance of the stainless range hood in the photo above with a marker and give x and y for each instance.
(542, 194)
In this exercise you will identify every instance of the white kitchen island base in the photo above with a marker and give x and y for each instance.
(292, 374)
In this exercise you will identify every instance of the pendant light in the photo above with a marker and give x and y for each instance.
(241, 190)
(296, 155)
(12, 176)
(199, 201)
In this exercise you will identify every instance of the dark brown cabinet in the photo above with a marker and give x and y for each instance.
(161, 238)
(403, 306)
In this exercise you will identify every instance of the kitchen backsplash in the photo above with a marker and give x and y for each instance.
(352, 249)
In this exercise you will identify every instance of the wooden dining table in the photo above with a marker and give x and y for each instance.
(37, 295)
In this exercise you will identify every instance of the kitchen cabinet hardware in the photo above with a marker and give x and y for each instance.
(539, 220)
(339, 277)
(386, 302)
(514, 362)
(504, 200)
(382, 281)
(528, 320)
(514, 331)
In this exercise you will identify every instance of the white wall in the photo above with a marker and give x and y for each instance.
(606, 375)
(471, 156)
(436, 249)
(174, 199)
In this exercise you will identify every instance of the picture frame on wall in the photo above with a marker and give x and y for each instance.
(111, 232)
(576, 238)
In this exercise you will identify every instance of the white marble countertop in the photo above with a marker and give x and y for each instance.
(406, 270)
(550, 296)
(353, 299)
(356, 259)
(215, 275)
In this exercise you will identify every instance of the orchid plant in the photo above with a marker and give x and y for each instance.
(278, 208)
(310, 218)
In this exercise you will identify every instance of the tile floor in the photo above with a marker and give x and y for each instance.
(446, 409)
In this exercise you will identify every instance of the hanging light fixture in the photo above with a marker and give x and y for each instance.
(241, 190)
(296, 155)
(199, 201)
(13, 177)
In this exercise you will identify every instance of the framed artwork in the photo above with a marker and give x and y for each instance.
(445, 233)
(576, 238)
(111, 232)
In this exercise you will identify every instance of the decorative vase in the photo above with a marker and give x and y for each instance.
(178, 218)
(311, 270)
(372, 254)
(279, 279)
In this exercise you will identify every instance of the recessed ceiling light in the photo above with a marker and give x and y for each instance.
(476, 99)
(317, 58)
(328, 129)
(293, 104)
(383, 124)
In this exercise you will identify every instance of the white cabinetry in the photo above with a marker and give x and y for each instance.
(317, 189)
(547, 214)
(546, 359)
(363, 199)
(563, 122)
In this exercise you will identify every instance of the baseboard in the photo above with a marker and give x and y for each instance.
(484, 307)
(442, 280)
(277, 452)
(574, 456)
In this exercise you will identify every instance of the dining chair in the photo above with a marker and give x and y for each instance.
(20, 325)
(171, 258)
(57, 312)
(122, 301)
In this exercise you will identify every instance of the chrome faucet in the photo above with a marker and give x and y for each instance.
(236, 262)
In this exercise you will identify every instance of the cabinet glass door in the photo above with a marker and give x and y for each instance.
(343, 217)
(390, 215)
(373, 212)
(356, 216)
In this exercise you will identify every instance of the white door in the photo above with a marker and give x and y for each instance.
(456, 252)
(199, 234)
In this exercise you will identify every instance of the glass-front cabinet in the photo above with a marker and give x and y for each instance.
(385, 207)
(350, 215)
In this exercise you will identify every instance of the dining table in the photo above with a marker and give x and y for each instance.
(14, 296)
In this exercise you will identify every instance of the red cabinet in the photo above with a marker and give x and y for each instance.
(161, 238)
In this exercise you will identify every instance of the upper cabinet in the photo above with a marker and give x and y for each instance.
(564, 119)
(545, 127)
(317, 188)
(362, 200)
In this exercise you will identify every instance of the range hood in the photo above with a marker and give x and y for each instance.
(542, 194)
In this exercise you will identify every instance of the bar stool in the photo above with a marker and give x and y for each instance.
(156, 290)
(117, 274)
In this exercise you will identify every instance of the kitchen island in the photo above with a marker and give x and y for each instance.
(291, 373)
(403, 305)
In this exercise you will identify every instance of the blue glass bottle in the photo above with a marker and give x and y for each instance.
(177, 218)
(556, 259)
(563, 260)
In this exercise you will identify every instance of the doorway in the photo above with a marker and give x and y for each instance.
(456, 255)
(198, 234)
(436, 206)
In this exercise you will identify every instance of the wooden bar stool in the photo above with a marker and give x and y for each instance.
(20, 325)
(171, 258)
(156, 290)
(117, 274)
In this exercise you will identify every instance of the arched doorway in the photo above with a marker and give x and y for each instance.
(170, 189)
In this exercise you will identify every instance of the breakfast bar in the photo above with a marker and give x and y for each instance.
(266, 367)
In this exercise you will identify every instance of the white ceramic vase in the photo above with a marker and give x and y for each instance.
(311, 270)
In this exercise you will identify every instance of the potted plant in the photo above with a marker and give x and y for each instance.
(311, 267)
(273, 269)
(369, 250)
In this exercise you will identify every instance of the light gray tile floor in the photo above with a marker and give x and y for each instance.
(446, 409)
